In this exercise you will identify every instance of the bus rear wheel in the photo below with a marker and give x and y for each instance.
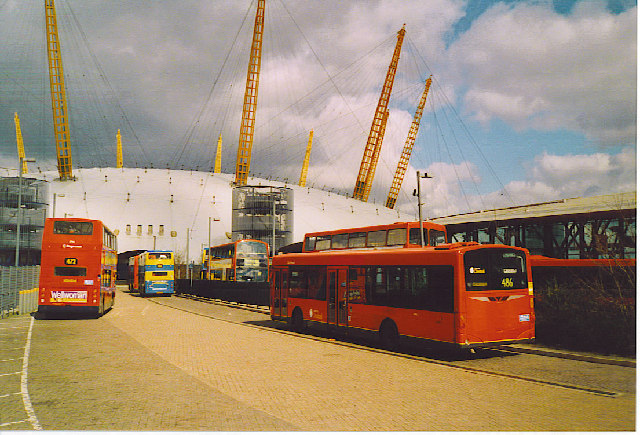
(388, 335)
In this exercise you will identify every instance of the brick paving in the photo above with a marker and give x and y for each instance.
(13, 336)
(145, 366)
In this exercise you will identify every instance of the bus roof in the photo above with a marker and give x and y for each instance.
(426, 224)
(408, 255)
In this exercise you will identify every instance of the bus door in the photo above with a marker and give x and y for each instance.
(135, 273)
(337, 297)
(279, 293)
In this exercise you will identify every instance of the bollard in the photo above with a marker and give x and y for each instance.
(28, 301)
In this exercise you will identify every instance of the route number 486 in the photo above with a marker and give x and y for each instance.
(507, 282)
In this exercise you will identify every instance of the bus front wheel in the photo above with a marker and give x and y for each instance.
(388, 335)
(297, 322)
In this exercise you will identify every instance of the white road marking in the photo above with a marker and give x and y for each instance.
(12, 422)
(23, 383)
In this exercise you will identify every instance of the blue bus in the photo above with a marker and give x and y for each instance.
(152, 273)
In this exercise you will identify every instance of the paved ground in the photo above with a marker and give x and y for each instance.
(145, 366)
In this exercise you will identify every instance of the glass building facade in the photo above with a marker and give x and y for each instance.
(568, 232)
(31, 216)
(263, 213)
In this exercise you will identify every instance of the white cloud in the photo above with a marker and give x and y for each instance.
(523, 64)
(453, 188)
(537, 69)
(582, 175)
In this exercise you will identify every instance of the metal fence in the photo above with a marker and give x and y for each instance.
(254, 293)
(18, 290)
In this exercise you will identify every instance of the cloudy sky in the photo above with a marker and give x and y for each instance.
(531, 100)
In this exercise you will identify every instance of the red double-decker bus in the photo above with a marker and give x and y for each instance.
(78, 268)
(399, 234)
(463, 294)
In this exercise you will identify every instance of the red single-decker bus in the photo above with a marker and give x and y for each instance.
(78, 268)
(464, 294)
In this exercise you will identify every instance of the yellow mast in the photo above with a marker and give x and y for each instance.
(21, 155)
(368, 165)
(58, 94)
(218, 166)
(403, 164)
(243, 159)
(119, 150)
(305, 163)
(376, 156)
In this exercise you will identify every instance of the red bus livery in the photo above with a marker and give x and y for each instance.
(77, 273)
(463, 294)
(399, 234)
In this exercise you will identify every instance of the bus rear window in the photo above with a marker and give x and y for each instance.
(495, 269)
(414, 236)
(71, 227)
(437, 237)
(160, 256)
(70, 271)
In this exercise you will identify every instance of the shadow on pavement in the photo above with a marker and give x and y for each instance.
(439, 352)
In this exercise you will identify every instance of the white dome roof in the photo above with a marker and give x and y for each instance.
(165, 203)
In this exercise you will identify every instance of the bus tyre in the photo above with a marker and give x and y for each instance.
(297, 322)
(388, 335)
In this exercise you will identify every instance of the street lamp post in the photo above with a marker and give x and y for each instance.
(59, 195)
(418, 176)
(19, 212)
(209, 252)
(209, 248)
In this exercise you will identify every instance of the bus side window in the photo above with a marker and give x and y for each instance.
(357, 289)
(317, 283)
(397, 236)
(377, 238)
(357, 240)
(297, 284)
(376, 286)
(309, 243)
(323, 243)
(339, 241)
(432, 287)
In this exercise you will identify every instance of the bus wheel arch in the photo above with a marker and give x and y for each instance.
(297, 320)
(388, 334)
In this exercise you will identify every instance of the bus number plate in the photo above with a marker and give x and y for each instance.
(71, 261)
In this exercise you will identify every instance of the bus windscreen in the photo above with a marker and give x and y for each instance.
(251, 248)
(496, 269)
